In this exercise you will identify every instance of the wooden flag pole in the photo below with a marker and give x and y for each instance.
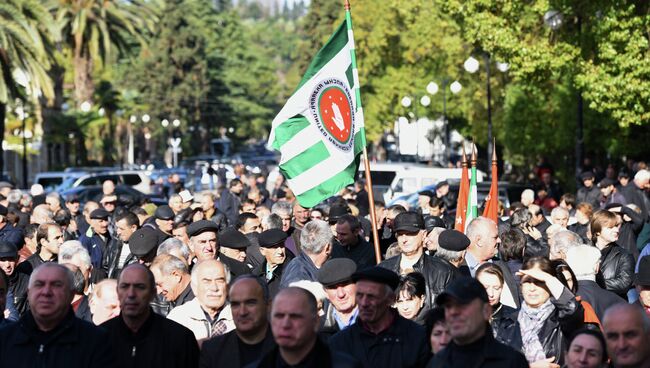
(371, 202)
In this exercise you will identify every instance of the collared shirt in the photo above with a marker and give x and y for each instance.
(472, 263)
(342, 324)
(269, 272)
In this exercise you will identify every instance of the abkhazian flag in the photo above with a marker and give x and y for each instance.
(320, 130)
(472, 202)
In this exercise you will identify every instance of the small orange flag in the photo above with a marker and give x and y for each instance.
(491, 210)
(461, 205)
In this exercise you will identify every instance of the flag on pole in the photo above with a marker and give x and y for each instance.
(491, 210)
(461, 205)
(320, 130)
(472, 203)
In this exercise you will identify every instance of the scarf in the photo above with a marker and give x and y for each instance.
(531, 321)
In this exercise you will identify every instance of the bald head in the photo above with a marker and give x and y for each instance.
(627, 332)
(484, 237)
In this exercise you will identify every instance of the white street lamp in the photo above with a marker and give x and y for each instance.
(503, 67)
(425, 101)
(85, 106)
(553, 19)
(146, 118)
(133, 119)
(471, 65)
(176, 123)
(455, 87)
(406, 101)
(432, 88)
(165, 123)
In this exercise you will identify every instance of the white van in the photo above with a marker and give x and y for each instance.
(411, 178)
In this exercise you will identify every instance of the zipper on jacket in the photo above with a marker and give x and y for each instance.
(133, 352)
(40, 349)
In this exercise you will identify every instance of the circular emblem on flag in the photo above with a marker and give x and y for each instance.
(332, 109)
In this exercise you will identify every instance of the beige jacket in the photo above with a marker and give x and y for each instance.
(191, 315)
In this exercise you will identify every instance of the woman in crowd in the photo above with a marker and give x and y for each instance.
(616, 263)
(584, 211)
(548, 315)
(410, 297)
(491, 277)
(587, 349)
(437, 330)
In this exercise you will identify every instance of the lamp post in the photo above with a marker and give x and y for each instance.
(432, 89)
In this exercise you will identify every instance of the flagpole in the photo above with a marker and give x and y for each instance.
(366, 162)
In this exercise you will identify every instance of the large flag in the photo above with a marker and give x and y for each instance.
(472, 202)
(320, 130)
(491, 210)
(461, 205)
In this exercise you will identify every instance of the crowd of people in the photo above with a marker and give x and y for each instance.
(243, 276)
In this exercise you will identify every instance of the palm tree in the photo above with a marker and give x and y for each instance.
(25, 45)
(95, 29)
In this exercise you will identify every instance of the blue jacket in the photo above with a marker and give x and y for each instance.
(96, 247)
(299, 268)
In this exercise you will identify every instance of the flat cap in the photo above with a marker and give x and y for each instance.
(433, 221)
(272, 238)
(234, 239)
(202, 226)
(624, 174)
(587, 175)
(143, 241)
(72, 198)
(642, 277)
(464, 290)
(3, 210)
(441, 184)
(100, 214)
(8, 250)
(606, 182)
(337, 271)
(377, 274)
(337, 211)
(453, 240)
(428, 193)
(408, 221)
(164, 212)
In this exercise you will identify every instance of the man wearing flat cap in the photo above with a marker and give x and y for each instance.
(17, 282)
(409, 228)
(99, 240)
(164, 221)
(8, 232)
(609, 193)
(589, 192)
(452, 245)
(467, 313)
(381, 337)
(341, 312)
(275, 259)
(205, 244)
(233, 244)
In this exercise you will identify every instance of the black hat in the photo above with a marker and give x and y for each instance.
(453, 240)
(408, 221)
(143, 241)
(377, 274)
(99, 214)
(427, 193)
(464, 290)
(623, 174)
(202, 226)
(8, 250)
(606, 182)
(642, 277)
(164, 212)
(433, 221)
(336, 271)
(234, 239)
(337, 211)
(3, 210)
(587, 175)
(72, 198)
(613, 205)
(272, 237)
(442, 184)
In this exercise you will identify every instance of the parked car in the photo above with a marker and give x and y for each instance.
(136, 179)
(126, 195)
(50, 180)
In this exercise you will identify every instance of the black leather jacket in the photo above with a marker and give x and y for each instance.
(112, 258)
(616, 269)
(567, 317)
(437, 274)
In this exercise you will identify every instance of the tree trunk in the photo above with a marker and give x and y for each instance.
(83, 82)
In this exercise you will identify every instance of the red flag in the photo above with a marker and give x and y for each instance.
(461, 205)
(491, 210)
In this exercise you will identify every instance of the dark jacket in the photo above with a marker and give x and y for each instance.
(484, 353)
(629, 231)
(73, 343)
(567, 317)
(12, 235)
(18, 288)
(616, 269)
(598, 297)
(591, 196)
(363, 253)
(236, 268)
(97, 248)
(581, 230)
(274, 282)
(499, 316)
(220, 219)
(160, 343)
(29, 265)
(437, 274)
(403, 344)
(300, 268)
(83, 311)
(112, 259)
(321, 356)
(223, 351)
(229, 204)
(536, 247)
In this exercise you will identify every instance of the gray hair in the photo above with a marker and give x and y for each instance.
(14, 196)
(195, 273)
(315, 236)
(282, 207)
(559, 210)
(520, 217)
(69, 276)
(642, 175)
(70, 248)
(172, 244)
(272, 221)
(478, 227)
(167, 264)
(583, 260)
(565, 239)
(449, 255)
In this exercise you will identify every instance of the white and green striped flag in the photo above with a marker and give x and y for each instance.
(472, 197)
(320, 131)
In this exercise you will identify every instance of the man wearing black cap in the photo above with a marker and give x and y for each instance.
(350, 244)
(381, 337)
(100, 240)
(8, 232)
(609, 193)
(589, 192)
(205, 244)
(642, 283)
(452, 245)
(410, 231)
(233, 244)
(424, 197)
(164, 220)
(143, 244)
(275, 259)
(341, 312)
(467, 314)
(17, 281)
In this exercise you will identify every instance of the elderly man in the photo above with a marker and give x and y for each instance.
(409, 227)
(467, 313)
(17, 281)
(164, 222)
(350, 244)
(233, 244)
(207, 199)
(275, 259)
(72, 252)
(627, 333)
(561, 242)
(205, 245)
(452, 246)
(341, 312)
(294, 322)
(208, 314)
(49, 238)
(250, 303)
(177, 249)
(584, 262)
(99, 240)
(560, 216)
(172, 279)
(381, 337)
(316, 240)
(49, 334)
(104, 303)
(142, 338)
